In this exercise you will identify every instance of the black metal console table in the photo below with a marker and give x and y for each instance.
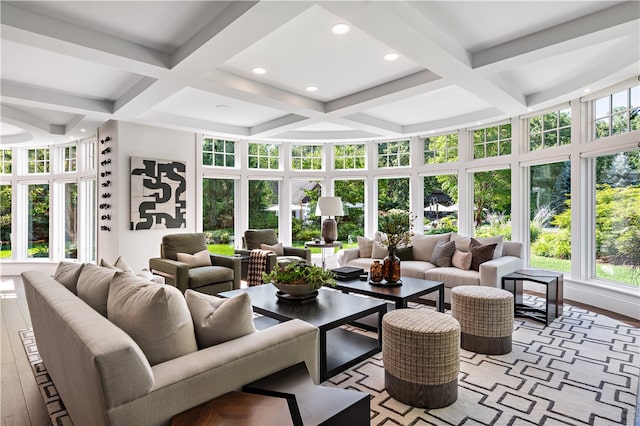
(553, 281)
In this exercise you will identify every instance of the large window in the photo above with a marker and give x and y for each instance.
(38, 220)
(492, 203)
(617, 113)
(305, 225)
(306, 157)
(394, 154)
(550, 130)
(218, 152)
(218, 212)
(393, 193)
(264, 201)
(264, 156)
(5, 221)
(5, 161)
(71, 220)
(617, 221)
(352, 194)
(349, 156)
(440, 149)
(440, 204)
(550, 220)
(38, 160)
(492, 141)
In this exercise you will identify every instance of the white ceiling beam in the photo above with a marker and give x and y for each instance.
(374, 124)
(279, 125)
(192, 124)
(25, 120)
(455, 122)
(333, 136)
(608, 24)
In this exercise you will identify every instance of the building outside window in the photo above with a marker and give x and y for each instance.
(264, 156)
(218, 152)
(440, 149)
(38, 160)
(218, 213)
(305, 225)
(306, 157)
(440, 213)
(492, 141)
(550, 130)
(617, 113)
(349, 156)
(394, 154)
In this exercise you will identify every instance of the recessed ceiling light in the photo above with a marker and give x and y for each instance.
(586, 90)
(391, 56)
(340, 28)
(223, 106)
(83, 130)
(259, 70)
(311, 88)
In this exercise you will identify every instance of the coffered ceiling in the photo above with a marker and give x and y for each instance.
(72, 65)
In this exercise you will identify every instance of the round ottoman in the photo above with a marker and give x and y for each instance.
(485, 315)
(421, 356)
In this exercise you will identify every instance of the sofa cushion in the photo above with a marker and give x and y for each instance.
(254, 237)
(461, 260)
(365, 245)
(415, 268)
(278, 249)
(122, 265)
(480, 253)
(217, 319)
(453, 277)
(405, 253)
(93, 286)
(462, 243)
(379, 251)
(195, 260)
(423, 245)
(67, 274)
(442, 253)
(156, 317)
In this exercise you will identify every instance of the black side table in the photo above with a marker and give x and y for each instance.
(513, 282)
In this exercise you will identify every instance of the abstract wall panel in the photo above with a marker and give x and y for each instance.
(158, 194)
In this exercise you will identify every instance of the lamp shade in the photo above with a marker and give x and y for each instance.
(329, 206)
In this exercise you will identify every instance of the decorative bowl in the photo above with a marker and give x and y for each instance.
(295, 289)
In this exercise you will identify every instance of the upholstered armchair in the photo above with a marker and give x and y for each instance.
(185, 263)
(255, 238)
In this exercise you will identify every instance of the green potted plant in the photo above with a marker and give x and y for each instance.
(299, 278)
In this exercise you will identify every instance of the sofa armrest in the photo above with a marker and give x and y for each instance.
(491, 272)
(304, 253)
(347, 255)
(513, 248)
(229, 262)
(174, 272)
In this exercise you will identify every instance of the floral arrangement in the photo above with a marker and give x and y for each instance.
(398, 225)
(300, 273)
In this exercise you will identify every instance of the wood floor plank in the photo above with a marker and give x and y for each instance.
(14, 408)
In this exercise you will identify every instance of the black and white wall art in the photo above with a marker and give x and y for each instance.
(158, 194)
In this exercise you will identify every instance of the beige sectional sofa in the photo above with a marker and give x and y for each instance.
(105, 378)
(507, 258)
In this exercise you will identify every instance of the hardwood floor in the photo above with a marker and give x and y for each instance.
(22, 404)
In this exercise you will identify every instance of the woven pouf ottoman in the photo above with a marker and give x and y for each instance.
(485, 315)
(421, 356)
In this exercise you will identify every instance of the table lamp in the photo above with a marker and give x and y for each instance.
(329, 206)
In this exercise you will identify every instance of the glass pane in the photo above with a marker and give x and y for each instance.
(535, 141)
(218, 212)
(635, 96)
(565, 117)
(492, 133)
(550, 139)
(207, 159)
(231, 159)
(492, 149)
(478, 151)
(505, 147)
(619, 123)
(218, 146)
(440, 214)
(263, 204)
(505, 131)
(351, 225)
(620, 101)
(550, 216)
(617, 224)
(452, 155)
(253, 149)
(393, 194)
(218, 160)
(207, 145)
(602, 128)
(565, 136)
(550, 121)
(305, 225)
(252, 162)
(634, 118)
(535, 124)
(231, 147)
(492, 203)
(71, 220)
(602, 107)
(38, 220)
(5, 221)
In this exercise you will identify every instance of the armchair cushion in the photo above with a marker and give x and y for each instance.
(278, 249)
(200, 258)
(254, 237)
(205, 275)
(182, 243)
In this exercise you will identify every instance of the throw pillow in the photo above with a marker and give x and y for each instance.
(462, 243)
(378, 251)
(442, 253)
(67, 274)
(490, 240)
(195, 260)
(106, 264)
(122, 265)
(93, 286)
(405, 253)
(146, 274)
(278, 249)
(217, 319)
(156, 317)
(423, 245)
(480, 253)
(365, 245)
(461, 260)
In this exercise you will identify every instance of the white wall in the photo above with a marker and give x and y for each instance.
(136, 140)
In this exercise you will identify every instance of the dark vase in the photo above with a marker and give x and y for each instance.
(391, 267)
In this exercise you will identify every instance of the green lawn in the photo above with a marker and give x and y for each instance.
(623, 274)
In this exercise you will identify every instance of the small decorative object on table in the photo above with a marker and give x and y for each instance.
(397, 225)
(298, 281)
(375, 271)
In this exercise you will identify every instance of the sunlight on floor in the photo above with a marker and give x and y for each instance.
(7, 289)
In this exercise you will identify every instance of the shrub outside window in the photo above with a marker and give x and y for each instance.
(264, 156)
(550, 130)
(394, 154)
(349, 156)
(218, 152)
(492, 141)
(440, 149)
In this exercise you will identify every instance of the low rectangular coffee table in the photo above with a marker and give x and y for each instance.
(339, 348)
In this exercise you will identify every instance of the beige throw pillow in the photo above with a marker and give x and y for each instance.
(195, 260)
(278, 249)
(93, 286)
(67, 274)
(122, 265)
(156, 317)
(217, 319)
(378, 250)
(365, 245)
(462, 243)
(423, 245)
(461, 260)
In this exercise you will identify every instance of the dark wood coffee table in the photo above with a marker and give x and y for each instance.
(339, 348)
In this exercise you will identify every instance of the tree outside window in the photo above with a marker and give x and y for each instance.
(218, 212)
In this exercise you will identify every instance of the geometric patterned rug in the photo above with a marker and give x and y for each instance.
(580, 370)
